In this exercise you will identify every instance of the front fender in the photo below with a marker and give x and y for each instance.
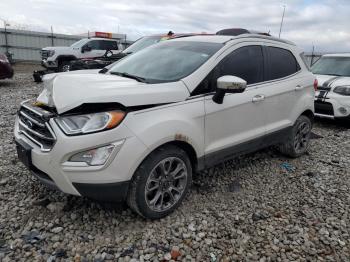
(183, 121)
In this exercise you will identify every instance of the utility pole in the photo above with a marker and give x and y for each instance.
(312, 55)
(284, 10)
(6, 41)
(52, 43)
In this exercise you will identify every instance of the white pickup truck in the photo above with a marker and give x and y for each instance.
(58, 58)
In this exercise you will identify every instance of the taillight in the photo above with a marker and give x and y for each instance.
(316, 84)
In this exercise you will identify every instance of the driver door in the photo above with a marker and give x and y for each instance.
(238, 124)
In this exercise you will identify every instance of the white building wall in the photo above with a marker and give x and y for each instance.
(26, 45)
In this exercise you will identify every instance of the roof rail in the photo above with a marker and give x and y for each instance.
(243, 33)
(239, 31)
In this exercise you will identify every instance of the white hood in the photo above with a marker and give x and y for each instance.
(332, 81)
(58, 48)
(66, 91)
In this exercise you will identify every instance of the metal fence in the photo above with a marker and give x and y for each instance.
(26, 45)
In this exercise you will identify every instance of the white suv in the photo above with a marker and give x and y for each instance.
(332, 99)
(138, 131)
(58, 57)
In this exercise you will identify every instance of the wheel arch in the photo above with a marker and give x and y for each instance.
(187, 147)
(65, 58)
(308, 113)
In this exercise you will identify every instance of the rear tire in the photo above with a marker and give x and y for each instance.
(298, 139)
(160, 183)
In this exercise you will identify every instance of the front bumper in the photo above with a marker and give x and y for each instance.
(108, 182)
(332, 105)
(115, 192)
(49, 64)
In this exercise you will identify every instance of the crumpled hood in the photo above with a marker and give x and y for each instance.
(66, 91)
(329, 81)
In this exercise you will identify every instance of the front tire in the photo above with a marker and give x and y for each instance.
(298, 139)
(160, 183)
(64, 66)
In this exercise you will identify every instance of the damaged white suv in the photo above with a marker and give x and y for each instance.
(139, 130)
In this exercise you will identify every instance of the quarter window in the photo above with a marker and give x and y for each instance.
(282, 63)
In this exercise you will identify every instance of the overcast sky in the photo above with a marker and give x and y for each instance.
(324, 23)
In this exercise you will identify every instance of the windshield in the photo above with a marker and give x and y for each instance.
(142, 43)
(167, 61)
(337, 66)
(79, 43)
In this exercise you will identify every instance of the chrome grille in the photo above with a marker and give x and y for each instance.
(44, 54)
(33, 123)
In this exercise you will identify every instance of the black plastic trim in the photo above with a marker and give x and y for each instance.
(111, 192)
(220, 156)
(43, 178)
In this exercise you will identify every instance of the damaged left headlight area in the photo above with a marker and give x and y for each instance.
(90, 123)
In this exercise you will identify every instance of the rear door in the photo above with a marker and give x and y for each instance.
(236, 125)
(109, 45)
(282, 87)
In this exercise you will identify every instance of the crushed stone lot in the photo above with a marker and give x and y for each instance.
(262, 207)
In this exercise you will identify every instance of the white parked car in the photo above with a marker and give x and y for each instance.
(332, 99)
(58, 57)
(140, 130)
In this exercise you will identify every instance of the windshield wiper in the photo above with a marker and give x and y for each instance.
(103, 70)
(137, 78)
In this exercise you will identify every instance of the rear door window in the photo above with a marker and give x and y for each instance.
(281, 63)
(109, 45)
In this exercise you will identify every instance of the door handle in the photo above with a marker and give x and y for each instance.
(299, 87)
(258, 98)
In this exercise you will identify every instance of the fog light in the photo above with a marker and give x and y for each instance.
(343, 110)
(93, 157)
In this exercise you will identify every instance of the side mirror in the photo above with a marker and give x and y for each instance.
(85, 48)
(228, 84)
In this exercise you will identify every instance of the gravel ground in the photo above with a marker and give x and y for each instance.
(262, 207)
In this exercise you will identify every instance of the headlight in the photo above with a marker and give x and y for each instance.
(89, 123)
(342, 90)
(51, 53)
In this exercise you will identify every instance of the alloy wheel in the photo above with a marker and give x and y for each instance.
(166, 184)
(302, 137)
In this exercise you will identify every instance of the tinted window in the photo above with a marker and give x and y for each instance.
(282, 63)
(246, 62)
(328, 65)
(142, 43)
(109, 45)
(167, 61)
(95, 45)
